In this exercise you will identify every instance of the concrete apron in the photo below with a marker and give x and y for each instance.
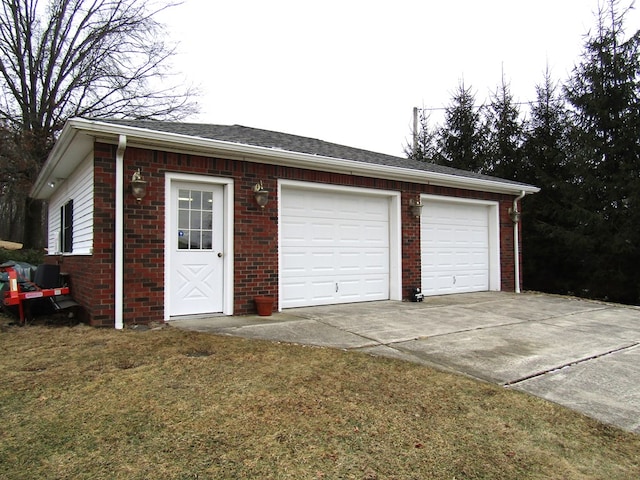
(578, 353)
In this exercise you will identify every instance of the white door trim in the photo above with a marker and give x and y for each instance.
(227, 183)
(494, 232)
(395, 228)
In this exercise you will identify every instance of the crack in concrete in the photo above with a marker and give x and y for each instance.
(570, 364)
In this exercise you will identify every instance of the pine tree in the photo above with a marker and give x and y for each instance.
(505, 135)
(424, 147)
(549, 235)
(604, 92)
(462, 139)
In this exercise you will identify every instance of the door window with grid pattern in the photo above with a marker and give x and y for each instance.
(195, 220)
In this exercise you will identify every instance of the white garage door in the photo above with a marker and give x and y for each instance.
(334, 247)
(455, 247)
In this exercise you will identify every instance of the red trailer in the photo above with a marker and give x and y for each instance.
(47, 275)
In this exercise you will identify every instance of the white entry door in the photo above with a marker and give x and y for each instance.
(197, 249)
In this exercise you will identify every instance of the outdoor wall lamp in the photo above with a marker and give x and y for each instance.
(54, 182)
(262, 195)
(416, 207)
(138, 186)
(515, 215)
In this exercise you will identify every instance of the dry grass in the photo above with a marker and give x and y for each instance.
(86, 403)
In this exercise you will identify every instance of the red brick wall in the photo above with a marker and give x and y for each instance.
(507, 247)
(411, 261)
(256, 235)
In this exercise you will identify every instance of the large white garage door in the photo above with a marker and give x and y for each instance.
(455, 247)
(334, 247)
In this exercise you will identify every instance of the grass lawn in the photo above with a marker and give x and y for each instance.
(86, 403)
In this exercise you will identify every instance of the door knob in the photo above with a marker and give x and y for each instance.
(219, 254)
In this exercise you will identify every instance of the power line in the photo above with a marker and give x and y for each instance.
(433, 109)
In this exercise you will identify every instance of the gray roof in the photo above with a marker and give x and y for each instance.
(294, 143)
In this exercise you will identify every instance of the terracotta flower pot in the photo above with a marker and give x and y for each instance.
(264, 305)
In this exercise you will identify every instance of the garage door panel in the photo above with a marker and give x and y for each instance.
(437, 262)
(319, 204)
(367, 287)
(342, 233)
(296, 293)
(334, 247)
(326, 291)
(375, 234)
(300, 262)
(347, 234)
(296, 231)
(440, 213)
(455, 248)
(449, 283)
(454, 282)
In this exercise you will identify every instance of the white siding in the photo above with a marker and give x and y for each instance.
(79, 188)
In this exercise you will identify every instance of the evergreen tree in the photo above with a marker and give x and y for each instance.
(604, 92)
(505, 135)
(461, 140)
(424, 147)
(549, 235)
(582, 147)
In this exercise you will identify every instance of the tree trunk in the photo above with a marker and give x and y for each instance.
(34, 224)
(11, 218)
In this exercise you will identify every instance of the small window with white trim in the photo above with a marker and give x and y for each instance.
(66, 227)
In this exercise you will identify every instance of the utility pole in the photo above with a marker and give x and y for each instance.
(415, 129)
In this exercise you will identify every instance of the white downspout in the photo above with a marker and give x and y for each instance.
(119, 234)
(515, 217)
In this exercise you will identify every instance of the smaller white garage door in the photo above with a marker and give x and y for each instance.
(455, 247)
(334, 247)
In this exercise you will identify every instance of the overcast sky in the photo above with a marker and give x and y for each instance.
(351, 71)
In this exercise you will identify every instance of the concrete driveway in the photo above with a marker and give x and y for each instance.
(578, 353)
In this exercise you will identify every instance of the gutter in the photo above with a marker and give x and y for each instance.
(144, 138)
(119, 234)
(515, 217)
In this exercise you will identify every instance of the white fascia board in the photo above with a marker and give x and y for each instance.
(139, 137)
(54, 158)
(69, 151)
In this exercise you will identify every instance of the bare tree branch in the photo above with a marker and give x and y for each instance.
(85, 58)
(67, 58)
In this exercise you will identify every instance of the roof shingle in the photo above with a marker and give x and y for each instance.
(294, 143)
